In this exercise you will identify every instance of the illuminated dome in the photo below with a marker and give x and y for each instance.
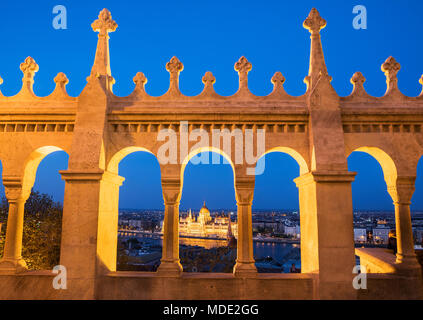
(204, 209)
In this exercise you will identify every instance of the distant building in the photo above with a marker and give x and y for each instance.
(360, 235)
(418, 235)
(267, 225)
(293, 231)
(203, 225)
(132, 223)
(381, 235)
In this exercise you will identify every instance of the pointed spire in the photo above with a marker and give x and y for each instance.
(1, 82)
(391, 67)
(174, 67)
(243, 66)
(103, 25)
(314, 23)
(421, 82)
(29, 67)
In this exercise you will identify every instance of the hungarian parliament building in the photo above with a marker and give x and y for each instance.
(204, 225)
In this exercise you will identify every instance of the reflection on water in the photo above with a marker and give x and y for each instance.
(211, 255)
(205, 243)
(276, 257)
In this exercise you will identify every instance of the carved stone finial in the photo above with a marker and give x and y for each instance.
(61, 79)
(104, 24)
(314, 22)
(140, 79)
(208, 78)
(243, 65)
(29, 67)
(357, 80)
(391, 67)
(278, 79)
(174, 66)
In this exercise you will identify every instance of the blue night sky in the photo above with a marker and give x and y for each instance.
(211, 36)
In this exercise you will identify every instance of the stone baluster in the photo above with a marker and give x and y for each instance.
(401, 193)
(244, 191)
(170, 265)
(12, 260)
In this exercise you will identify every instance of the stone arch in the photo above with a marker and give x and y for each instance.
(294, 154)
(30, 169)
(298, 243)
(31, 166)
(113, 165)
(230, 255)
(197, 151)
(111, 190)
(386, 162)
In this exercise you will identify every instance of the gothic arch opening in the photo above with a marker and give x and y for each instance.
(374, 212)
(140, 210)
(43, 213)
(208, 225)
(276, 218)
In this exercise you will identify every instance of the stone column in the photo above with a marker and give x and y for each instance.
(170, 264)
(244, 191)
(12, 261)
(87, 249)
(107, 234)
(401, 193)
(327, 239)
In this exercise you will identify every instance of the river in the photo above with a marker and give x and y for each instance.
(283, 254)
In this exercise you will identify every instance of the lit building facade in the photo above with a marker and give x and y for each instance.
(381, 234)
(205, 226)
(360, 235)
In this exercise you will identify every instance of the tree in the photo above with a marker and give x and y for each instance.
(41, 233)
